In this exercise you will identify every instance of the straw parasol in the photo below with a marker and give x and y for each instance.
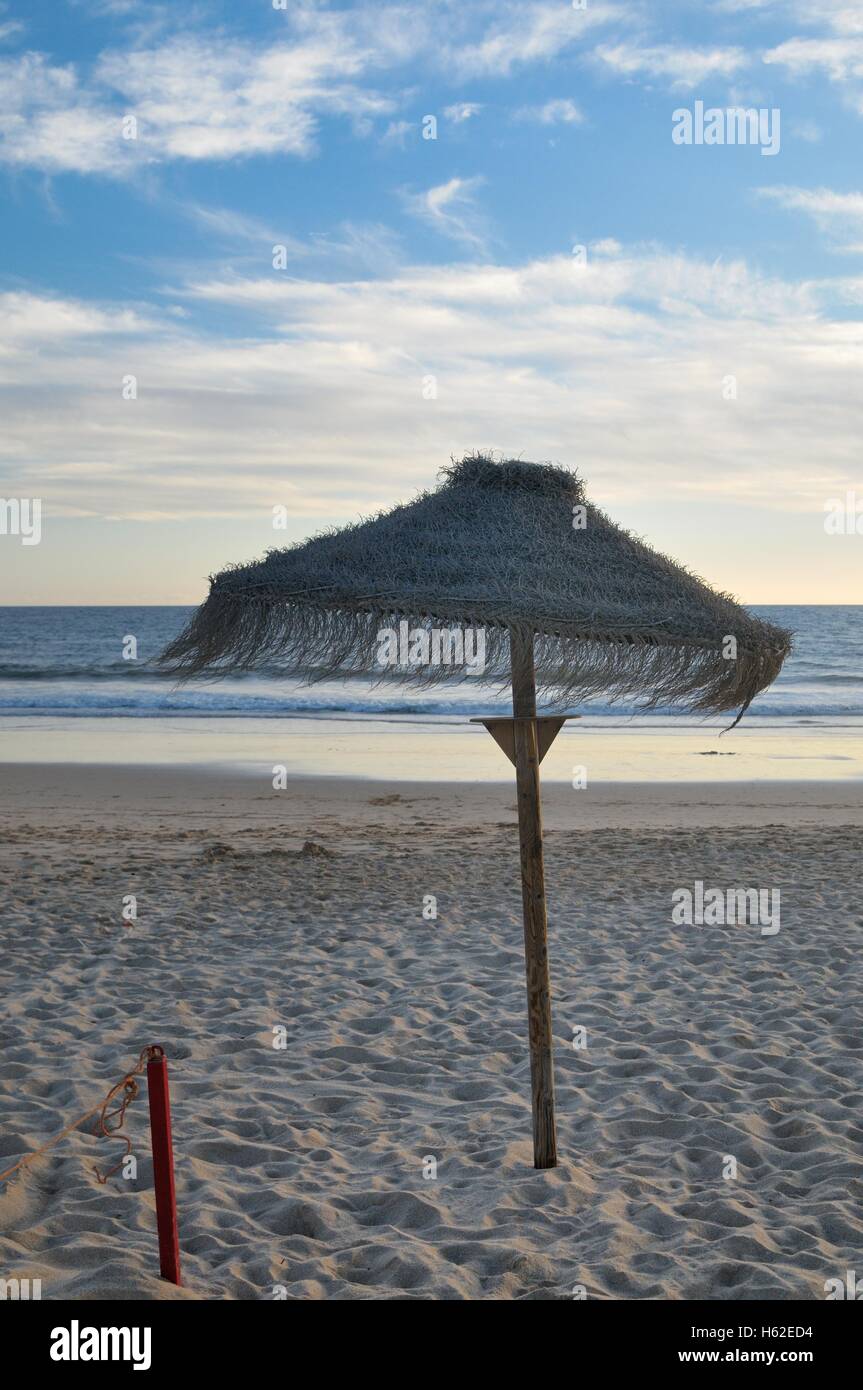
(568, 603)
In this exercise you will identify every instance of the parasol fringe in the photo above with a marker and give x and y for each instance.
(229, 634)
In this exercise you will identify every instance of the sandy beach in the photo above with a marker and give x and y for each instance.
(300, 1170)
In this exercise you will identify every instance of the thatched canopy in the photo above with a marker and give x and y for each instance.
(493, 547)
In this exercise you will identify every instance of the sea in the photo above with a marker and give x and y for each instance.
(78, 682)
(76, 662)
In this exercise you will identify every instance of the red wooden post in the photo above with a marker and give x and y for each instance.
(163, 1167)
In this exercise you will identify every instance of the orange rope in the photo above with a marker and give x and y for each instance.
(129, 1087)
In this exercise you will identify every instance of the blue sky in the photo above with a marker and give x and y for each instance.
(433, 298)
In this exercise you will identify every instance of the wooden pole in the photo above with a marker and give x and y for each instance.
(163, 1168)
(533, 896)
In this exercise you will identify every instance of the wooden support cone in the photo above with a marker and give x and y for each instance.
(533, 895)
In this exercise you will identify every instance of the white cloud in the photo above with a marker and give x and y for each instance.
(201, 99)
(839, 58)
(108, 7)
(210, 96)
(839, 215)
(559, 110)
(682, 67)
(806, 130)
(462, 111)
(585, 364)
(840, 16)
(231, 226)
(26, 317)
(397, 132)
(845, 18)
(835, 53)
(550, 288)
(47, 121)
(530, 33)
(449, 208)
(820, 201)
(193, 98)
